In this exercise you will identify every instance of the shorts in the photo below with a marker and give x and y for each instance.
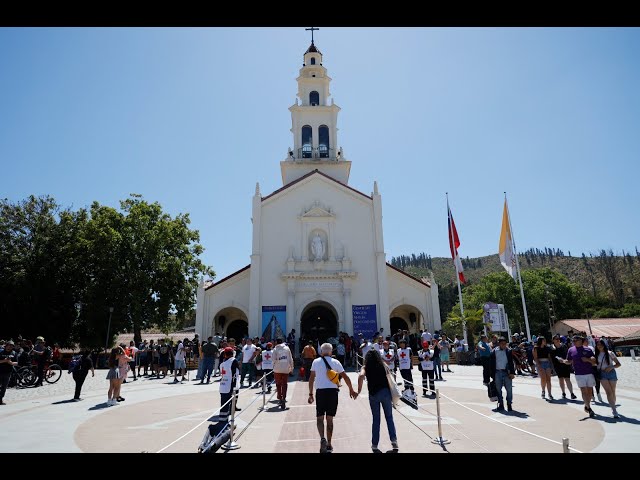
(326, 402)
(164, 362)
(180, 364)
(586, 381)
(612, 376)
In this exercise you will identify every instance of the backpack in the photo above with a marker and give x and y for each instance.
(75, 364)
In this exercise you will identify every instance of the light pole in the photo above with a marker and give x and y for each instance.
(106, 345)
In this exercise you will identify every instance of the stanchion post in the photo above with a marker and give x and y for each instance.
(440, 440)
(565, 445)
(264, 391)
(231, 445)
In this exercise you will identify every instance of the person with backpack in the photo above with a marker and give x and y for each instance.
(282, 367)
(79, 368)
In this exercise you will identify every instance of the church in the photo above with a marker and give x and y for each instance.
(317, 260)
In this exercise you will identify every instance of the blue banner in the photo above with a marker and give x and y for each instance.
(365, 320)
(274, 322)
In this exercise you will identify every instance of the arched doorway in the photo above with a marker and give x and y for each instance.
(237, 329)
(230, 322)
(398, 323)
(319, 321)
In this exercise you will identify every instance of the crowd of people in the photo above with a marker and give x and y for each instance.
(593, 364)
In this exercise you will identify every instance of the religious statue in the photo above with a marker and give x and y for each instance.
(317, 247)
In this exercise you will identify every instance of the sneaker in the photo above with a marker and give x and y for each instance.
(499, 408)
(551, 397)
(375, 449)
(573, 397)
(509, 407)
(78, 399)
(564, 395)
(323, 445)
(283, 404)
(542, 396)
(329, 449)
(592, 414)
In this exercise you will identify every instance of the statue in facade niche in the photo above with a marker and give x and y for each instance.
(317, 247)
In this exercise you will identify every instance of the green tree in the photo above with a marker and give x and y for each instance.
(142, 262)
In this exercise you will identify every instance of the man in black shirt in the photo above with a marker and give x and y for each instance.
(8, 360)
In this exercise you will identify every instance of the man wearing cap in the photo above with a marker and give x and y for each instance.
(425, 356)
(8, 360)
(229, 371)
(404, 359)
(579, 356)
(39, 352)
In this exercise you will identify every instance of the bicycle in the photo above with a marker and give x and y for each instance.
(52, 372)
(22, 377)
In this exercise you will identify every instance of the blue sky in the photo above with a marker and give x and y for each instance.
(193, 117)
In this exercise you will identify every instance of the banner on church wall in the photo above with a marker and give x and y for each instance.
(274, 322)
(365, 320)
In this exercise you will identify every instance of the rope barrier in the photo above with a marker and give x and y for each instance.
(510, 426)
(215, 412)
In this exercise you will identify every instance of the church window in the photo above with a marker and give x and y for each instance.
(306, 141)
(313, 60)
(314, 98)
(323, 141)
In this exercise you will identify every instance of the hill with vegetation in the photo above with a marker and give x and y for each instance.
(609, 283)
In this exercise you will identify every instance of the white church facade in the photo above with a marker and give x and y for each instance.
(318, 261)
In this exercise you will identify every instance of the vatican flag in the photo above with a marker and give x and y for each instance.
(505, 249)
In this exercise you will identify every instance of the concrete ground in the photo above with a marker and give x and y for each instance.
(161, 416)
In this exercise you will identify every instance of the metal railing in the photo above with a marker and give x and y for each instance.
(321, 152)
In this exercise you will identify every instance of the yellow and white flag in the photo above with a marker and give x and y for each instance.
(505, 249)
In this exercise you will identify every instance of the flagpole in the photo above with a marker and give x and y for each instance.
(515, 252)
(464, 322)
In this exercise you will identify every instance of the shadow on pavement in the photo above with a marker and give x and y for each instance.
(100, 406)
(63, 401)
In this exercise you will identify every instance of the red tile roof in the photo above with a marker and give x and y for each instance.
(609, 327)
(428, 284)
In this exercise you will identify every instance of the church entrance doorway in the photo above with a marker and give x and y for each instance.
(237, 329)
(398, 323)
(319, 322)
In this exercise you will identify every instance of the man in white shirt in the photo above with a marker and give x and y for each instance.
(327, 392)
(248, 355)
(426, 337)
(180, 363)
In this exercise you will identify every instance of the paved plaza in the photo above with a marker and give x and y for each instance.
(159, 416)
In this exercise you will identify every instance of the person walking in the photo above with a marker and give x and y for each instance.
(580, 356)
(282, 367)
(445, 348)
(502, 371)
(308, 356)
(113, 375)
(563, 371)
(80, 374)
(427, 365)
(375, 372)
(327, 392)
(229, 372)
(209, 353)
(404, 359)
(123, 367)
(542, 358)
(249, 352)
(485, 353)
(267, 365)
(8, 360)
(607, 362)
(180, 366)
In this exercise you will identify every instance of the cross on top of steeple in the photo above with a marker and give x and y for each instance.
(312, 30)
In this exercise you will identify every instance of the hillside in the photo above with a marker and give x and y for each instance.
(599, 274)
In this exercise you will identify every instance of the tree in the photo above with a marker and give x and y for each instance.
(607, 264)
(40, 280)
(142, 262)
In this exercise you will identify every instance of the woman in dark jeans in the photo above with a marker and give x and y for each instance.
(436, 359)
(379, 394)
(81, 373)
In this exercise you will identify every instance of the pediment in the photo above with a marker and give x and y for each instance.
(317, 210)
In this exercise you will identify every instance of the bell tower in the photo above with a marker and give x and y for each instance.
(314, 125)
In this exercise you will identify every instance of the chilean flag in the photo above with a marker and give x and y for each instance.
(454, 243)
